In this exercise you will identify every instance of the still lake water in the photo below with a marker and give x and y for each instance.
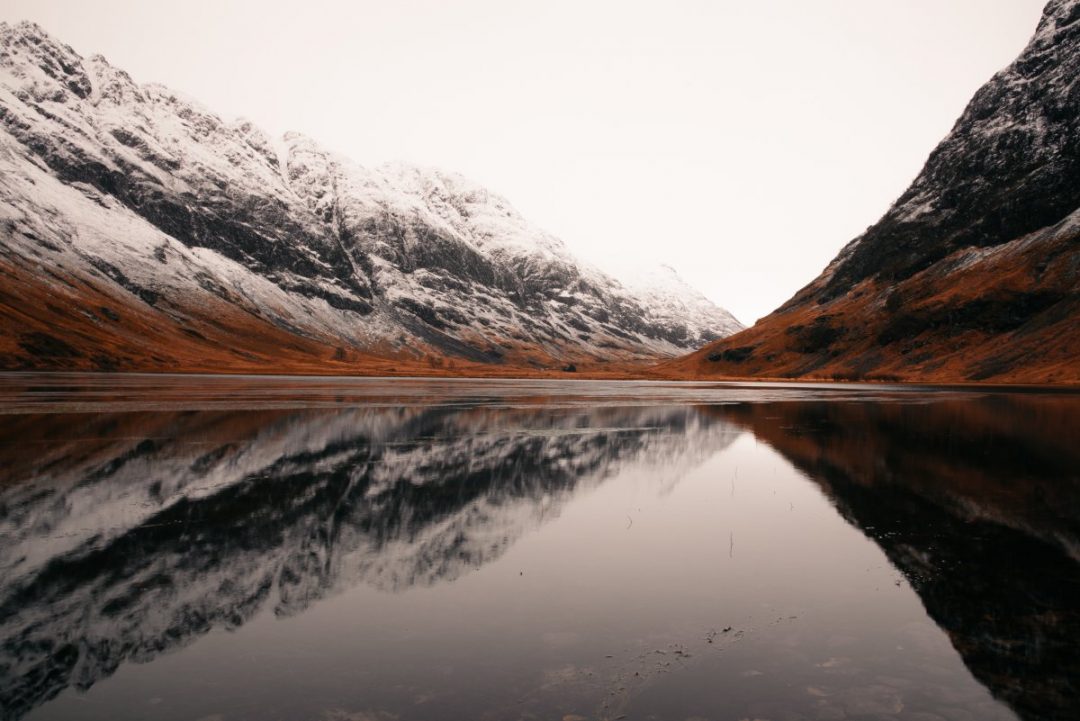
(213, 549)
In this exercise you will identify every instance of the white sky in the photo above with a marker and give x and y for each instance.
(741, 142)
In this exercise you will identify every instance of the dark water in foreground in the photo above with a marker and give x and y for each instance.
(220, 549)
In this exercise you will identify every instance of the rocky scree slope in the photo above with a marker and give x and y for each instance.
(974, 272)
(141, 231)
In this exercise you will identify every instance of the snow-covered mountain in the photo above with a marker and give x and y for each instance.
(155, 228)
(974, 272)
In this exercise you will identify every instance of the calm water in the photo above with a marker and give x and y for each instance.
(370, 550)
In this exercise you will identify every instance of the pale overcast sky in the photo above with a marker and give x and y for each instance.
(742, 143)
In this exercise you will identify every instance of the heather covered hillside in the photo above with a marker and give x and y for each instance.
(974, 273)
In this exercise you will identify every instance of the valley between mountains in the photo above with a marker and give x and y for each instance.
(139, 231)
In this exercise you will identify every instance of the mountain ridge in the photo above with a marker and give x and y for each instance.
(973, 274)
(307, 249)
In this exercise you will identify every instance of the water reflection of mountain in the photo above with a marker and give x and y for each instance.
(977, 502)
(127, 535)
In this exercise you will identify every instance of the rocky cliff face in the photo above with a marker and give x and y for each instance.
(130, 198)
(1009, 167)
(974, 272)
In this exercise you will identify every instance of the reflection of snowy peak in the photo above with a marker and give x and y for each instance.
(144, 209)
(105, 561)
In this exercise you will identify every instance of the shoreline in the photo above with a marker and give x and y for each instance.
(524, 374)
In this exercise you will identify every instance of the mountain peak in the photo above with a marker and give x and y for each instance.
(27, 45)
(1014, 145)
(24, 28)
(1057, 14)
(28, 37)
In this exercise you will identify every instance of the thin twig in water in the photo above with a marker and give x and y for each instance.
(630, 523)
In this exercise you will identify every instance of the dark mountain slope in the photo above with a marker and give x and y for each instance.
(974, 272)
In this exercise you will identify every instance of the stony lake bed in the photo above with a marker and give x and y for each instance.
(210, 547)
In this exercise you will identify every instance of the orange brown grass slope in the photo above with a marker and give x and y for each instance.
(56, 320)
(1009, 314)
